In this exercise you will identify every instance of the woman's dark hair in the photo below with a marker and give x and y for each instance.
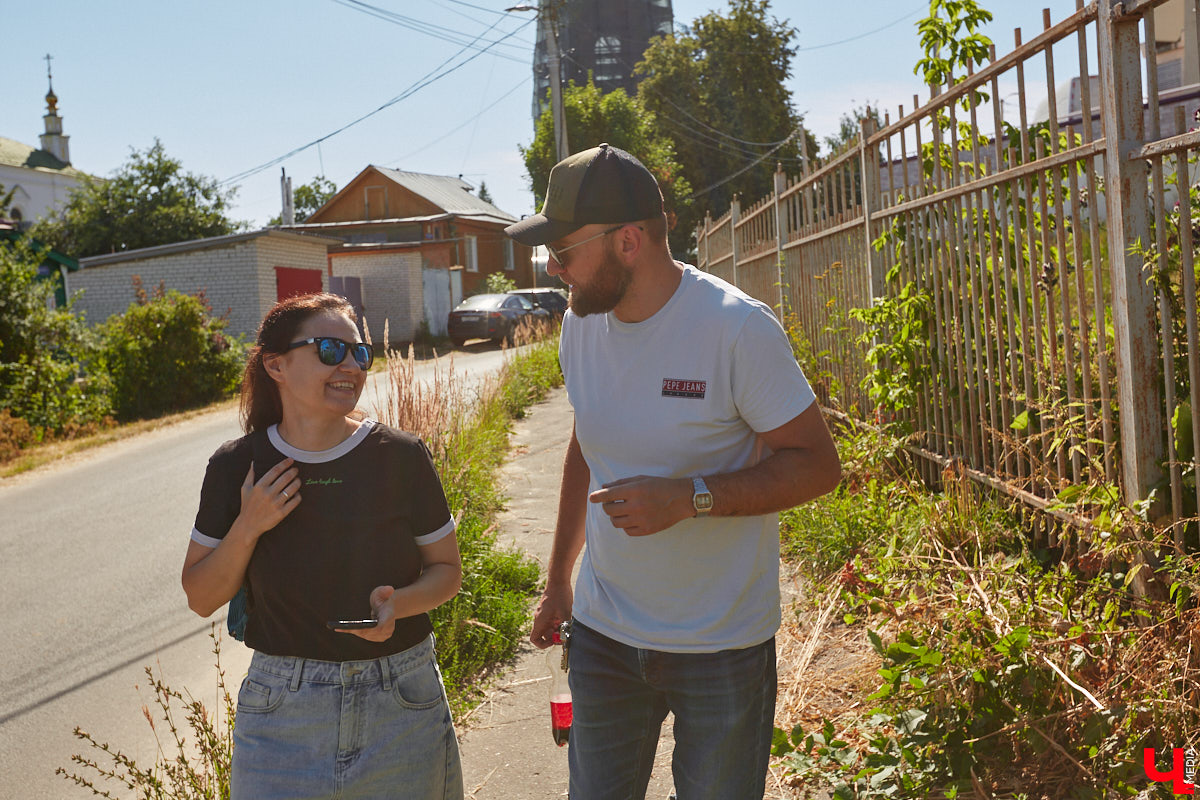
(261, 406)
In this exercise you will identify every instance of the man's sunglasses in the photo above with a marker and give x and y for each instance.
(556, 252)
(332, 351)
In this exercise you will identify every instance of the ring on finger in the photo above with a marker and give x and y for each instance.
(285, 494)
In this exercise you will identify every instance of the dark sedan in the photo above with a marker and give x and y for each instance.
(491, 316)
(552, 300)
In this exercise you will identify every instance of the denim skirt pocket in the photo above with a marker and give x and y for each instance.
(261, 694)
(419, 688)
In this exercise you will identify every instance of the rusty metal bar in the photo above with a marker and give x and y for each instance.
(1064, 288)
(1171, 144)
(1188, 289)
(871, 202)
(961, 282)
(1043, 334)
(1084, 340)
(1133, 302)
(735, 250)
(780, 182)
(983, 288)
(1135, 8)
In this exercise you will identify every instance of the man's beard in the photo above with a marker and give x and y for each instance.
(606, 288)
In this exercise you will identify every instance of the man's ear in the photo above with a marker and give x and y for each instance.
(630, 241)
(273, 364)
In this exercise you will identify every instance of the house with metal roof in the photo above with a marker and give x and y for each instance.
(418, 244)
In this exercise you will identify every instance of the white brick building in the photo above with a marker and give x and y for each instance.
(242, 274)
(392, 289)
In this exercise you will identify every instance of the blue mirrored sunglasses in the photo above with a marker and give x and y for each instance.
(332, 351)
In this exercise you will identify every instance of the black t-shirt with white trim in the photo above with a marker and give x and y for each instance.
(365, 506)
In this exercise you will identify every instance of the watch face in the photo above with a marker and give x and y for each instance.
(703, 501)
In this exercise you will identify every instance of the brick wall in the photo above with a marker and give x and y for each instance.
(391, 289)
(275, 252)
(237, 277)
(226, 274)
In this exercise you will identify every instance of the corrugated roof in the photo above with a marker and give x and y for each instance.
(450, 194)
(200, 244)
(16, 154)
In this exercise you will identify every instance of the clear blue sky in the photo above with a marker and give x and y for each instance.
(229, 85)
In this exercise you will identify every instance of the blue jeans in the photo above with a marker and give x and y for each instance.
(309, 729)
(724, 706)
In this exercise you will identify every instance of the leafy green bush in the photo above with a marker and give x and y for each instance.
(46, 353)
(168, 353)
(1002, 672)
(499, 283)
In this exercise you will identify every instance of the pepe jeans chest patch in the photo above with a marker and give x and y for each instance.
(677, 387)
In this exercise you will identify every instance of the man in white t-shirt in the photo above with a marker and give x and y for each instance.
(694, 427)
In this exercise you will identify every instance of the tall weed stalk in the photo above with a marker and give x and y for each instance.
(192, 763)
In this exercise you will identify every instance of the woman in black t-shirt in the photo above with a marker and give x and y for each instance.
(326, 517)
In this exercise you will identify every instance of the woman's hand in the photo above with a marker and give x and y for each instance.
(383, 611)
(267, 502)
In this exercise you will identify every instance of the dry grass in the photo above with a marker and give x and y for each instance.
(40, 455)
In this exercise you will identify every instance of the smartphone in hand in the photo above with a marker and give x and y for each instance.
(351, 624)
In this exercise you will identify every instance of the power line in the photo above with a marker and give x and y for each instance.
(746, 168)
(459, 127)
(452, 35)
(421, 83)
(861, 35)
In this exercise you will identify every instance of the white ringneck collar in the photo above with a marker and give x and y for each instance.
(320, 456)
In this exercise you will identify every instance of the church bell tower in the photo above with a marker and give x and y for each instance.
(53, 140)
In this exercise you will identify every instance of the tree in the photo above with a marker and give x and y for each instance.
(850, 125)
(484, 194)
(593, 118)
(148, 201)
(308, 197)
(719, 90)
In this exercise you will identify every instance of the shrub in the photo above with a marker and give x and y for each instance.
(46, 353)
(499, 283)
(168, 353)
(15, 434)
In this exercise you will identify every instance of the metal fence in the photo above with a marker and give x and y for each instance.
(1060, 335)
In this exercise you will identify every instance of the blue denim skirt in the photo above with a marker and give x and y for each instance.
(350, 729)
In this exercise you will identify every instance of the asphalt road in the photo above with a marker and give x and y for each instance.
(90, 553)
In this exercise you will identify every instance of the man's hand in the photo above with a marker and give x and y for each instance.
(553, 608)
(644, 505)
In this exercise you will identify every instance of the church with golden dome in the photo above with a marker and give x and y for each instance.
(39, 179)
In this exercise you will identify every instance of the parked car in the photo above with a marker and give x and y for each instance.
(491, 316)
(552, 300)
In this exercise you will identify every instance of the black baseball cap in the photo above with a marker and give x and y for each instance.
(603, 185)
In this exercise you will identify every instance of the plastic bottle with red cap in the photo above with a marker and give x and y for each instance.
(560, 692)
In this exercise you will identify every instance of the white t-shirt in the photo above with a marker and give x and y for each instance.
(680, 394)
